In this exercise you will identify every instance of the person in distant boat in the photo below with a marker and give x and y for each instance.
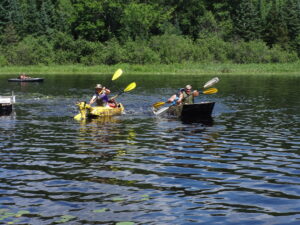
(101, 97)
(23, 76)
(187, 95)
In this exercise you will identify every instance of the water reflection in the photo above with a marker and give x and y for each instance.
(241, 167)
(207, 121)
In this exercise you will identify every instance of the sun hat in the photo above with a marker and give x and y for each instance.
(188, 87)
(98, 86)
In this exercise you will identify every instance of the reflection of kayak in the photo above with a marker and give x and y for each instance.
(190, 112)
(87, 111)
(26, 80)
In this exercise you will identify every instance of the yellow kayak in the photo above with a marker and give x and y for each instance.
(87, 111)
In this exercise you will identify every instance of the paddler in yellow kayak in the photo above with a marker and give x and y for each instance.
(101, 97)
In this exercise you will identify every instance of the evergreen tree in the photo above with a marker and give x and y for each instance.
(291, 16)
(208, 24)
(47, 14)
(15, 15)
(89, 23)
(4, 14)
(32, 23)
(223, 18)
(276, 31)
(9, 36)
(247, 23)
(262, 9)
(140, 19)
(64, 12)
(188, 15)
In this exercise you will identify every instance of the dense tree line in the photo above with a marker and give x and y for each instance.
(143, 31)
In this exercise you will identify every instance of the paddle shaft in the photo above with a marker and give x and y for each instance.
(129, 87)
(209, 91)
(206, 85)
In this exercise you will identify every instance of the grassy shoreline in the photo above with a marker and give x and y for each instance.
(175, 69)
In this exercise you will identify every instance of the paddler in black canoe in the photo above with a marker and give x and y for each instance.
(184, 96)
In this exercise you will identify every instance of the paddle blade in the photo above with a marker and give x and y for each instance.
(117, 74)
(211, 82)
(210, 91)
(130, 87)
(78, 116)
(161, 111)
(158, 104)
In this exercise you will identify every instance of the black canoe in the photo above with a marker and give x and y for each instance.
(192, 112)
(26, 80)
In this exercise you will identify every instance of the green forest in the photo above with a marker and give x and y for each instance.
(108, 32)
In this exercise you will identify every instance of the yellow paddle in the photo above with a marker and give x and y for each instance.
(115, 76)
(78, 116)
(129, 87)
(210, 91)
(206, 92)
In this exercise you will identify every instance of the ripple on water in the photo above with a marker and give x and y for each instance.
(242, 169)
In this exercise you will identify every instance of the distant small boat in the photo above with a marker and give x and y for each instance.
(26, 80)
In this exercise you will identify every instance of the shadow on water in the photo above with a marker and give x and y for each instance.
(207, 121)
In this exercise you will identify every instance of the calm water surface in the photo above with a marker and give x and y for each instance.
(244, 168)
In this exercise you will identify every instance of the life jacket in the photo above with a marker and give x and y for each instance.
(112, 104)
(188, 98)
(101, 99)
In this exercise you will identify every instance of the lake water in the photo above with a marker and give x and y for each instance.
(244, 168)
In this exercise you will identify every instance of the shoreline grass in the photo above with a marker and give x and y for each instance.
(174, 69)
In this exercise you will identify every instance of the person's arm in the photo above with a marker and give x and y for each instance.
(171, 99)
(105, 91)
(195, 93)
(179, 101)
(93, 99)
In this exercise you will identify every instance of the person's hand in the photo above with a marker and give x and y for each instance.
(102, 91)
(195, 93)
